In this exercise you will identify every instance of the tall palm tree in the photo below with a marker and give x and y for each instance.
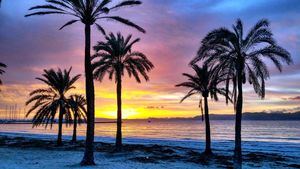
(2, 65)
(46, 102)
(205, 82)
(88, 12)
(114, 56)
(242, 57)
(77, 105)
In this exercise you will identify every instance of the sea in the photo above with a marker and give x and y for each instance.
(269, 136)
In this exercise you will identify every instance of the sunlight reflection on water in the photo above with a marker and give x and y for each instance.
(273, 131)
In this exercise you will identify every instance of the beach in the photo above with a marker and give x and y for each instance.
(16, 158)
(178, 144)
(33, 151)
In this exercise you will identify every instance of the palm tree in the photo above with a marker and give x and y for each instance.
(115, 56)
(77, 105)
(88, 12)
(46, 102)
(242, 57)
(2, 65)
(205, 82)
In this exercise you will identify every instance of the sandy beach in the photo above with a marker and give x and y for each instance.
(19, 158)
(34, 153)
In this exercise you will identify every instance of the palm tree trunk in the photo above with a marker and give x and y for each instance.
(74, 139)
(60, 121)
(119, 113)
(207, 128)
(88, 158)
(238, 121)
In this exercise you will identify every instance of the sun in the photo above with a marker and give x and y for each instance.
(126, 114)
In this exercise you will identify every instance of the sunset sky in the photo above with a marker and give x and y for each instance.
(174, 31)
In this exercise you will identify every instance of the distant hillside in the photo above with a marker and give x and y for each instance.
(246, 116)
(256, 116)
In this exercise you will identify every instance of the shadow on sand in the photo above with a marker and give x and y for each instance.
(156, 153)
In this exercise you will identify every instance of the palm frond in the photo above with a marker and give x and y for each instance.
(45, 13)
(205, 81)
(2, 65)
(124, 21)
(68, 23)
(235, 55)
(47, 101)
(114, 56)
(126, 3)
(86, 11)
(101, 29)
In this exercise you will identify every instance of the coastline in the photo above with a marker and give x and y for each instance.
(139, 153)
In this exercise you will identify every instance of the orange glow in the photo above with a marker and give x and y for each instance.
(143, 100)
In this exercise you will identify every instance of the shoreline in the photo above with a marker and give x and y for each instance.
(153, 154)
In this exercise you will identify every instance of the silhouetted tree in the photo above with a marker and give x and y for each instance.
(2, 65)
(77, 105)
(205, 82)
(242, 57)
(115, 57)
(88, 12)
(52, 99)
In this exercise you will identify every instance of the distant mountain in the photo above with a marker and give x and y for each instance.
(257, 116)
(246, 116)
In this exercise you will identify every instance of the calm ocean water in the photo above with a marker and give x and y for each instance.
(181, 130)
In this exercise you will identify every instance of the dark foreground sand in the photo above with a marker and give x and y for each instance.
(29, 153)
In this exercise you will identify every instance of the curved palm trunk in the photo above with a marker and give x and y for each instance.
(88, 158)
(238, 121)
(74, 137)
(119, 114)
(207, 129)
(60, 121)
